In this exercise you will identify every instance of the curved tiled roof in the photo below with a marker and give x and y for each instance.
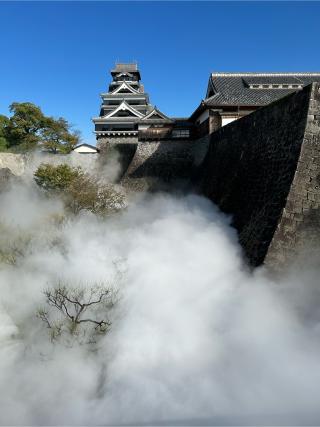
(234, 88)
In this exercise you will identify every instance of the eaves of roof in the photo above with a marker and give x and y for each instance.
(201, 107)
(104, 120)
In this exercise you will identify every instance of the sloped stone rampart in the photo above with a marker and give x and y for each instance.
(161, 165)
(259, 169)
(298, 229)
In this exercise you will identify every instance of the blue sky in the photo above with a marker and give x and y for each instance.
(58, 54)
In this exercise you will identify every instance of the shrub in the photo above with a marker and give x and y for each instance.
(80, 191)
(52, 177)
(86, 193)
(14, 244)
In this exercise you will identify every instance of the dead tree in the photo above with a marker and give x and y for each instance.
(77, 307)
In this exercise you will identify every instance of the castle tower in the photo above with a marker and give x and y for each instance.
(125, 108)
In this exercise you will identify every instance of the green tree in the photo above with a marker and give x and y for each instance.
(25, 125)
(57, 136)
(52, 177)
(4, 122)
(79, 190)
(28, 127)
(87, 193)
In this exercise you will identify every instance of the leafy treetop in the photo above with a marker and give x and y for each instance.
(28, 127)
(52, 177)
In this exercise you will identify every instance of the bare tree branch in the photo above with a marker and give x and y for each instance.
(72, 303)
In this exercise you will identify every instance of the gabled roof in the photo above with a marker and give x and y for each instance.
(246, 89)
(124, 106)
(156, 114)
(127, 86)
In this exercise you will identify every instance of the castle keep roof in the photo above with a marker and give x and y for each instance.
(125, 108)
(254, 89)
(129, 69)
(125, 67)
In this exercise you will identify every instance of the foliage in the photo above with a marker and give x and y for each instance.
(13, 244)
(80, 313)
(17, 242)
(53, 177)
(79, 190)
(57, 137)
(25, 124)
(13, 249)
(3, 144)
(87, 193)
(4, 121)
(28, 127)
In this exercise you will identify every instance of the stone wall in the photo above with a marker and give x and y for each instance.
(164, 165)
(264, 170)
(122, 154)
(298, 230)
(103, 141)
(215, 121)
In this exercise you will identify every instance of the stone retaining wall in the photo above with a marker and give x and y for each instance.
(298, 229)
(264, 170)
(162, 165)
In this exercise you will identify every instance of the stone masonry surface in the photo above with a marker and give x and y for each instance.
(254, 171)
(298, 229)
(161, 165)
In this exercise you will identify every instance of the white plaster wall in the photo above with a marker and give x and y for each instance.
(85, 150)
(203, 116)
(226, 120)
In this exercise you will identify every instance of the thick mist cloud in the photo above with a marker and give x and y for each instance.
(196, 337)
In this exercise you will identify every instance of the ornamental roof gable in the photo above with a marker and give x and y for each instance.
(124, 86)
(124, 106)
(156, 114)
(125, 74)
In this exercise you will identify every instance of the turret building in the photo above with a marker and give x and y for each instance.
(126, 114)
(124, 104)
